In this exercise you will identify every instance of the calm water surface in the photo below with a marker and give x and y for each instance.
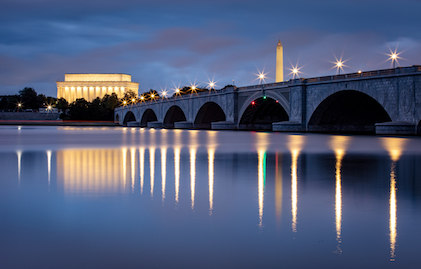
(140, 198)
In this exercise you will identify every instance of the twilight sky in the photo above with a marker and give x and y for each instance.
(167, 43)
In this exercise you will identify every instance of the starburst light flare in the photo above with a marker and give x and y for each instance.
(394, 56)
(295, 71)
(164, 93)
(339, 64)
(261, 76)
(211, 85)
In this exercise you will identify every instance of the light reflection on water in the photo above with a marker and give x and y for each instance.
(226, 192)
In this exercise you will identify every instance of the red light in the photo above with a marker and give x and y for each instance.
(252, 102)
(277, 101)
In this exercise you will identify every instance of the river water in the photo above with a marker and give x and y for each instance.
(144, 198)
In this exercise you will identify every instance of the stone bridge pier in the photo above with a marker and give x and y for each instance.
(381, 101)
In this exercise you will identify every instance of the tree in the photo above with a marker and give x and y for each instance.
(29, 97)
(78, 110)
(41, 101)
(62, 104)
(129, 95)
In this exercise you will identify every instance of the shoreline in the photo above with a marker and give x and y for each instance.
(59, 123)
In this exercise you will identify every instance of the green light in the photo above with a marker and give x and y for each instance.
(264, 97)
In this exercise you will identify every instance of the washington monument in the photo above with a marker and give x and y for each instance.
(279, 62)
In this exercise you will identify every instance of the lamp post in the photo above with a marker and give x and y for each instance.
(339, 65)
(262, 77)
(394, 57)
(294, 73)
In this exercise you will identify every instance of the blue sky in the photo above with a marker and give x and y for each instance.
(164, 43)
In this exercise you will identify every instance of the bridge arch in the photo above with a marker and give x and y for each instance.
(148, 115)
(174, 114)
(260, 113)
(347, 111)
(208, 113)
(128, 117)
(271, 94)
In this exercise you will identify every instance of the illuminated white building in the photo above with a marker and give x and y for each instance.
(91, 86)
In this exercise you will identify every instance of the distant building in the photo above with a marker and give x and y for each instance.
(91, 86)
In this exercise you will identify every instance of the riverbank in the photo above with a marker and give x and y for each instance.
(58, 123)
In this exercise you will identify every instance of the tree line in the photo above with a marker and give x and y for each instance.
(100, 109)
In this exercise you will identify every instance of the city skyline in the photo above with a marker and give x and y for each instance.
(165, 45)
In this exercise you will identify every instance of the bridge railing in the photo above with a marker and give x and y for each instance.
(384, 72)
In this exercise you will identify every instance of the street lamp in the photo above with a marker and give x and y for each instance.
(394, 56)
(262, 76)
(339, 65)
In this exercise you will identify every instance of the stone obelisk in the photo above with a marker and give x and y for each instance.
(279, 62)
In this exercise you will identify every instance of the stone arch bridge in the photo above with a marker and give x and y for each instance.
(382, 101)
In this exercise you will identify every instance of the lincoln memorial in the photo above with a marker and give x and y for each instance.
(91, 86)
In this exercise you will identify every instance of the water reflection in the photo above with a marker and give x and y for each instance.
(339, 145)
(19, 155)
(211, 160)
(123, 164)
(212, 144)
(295, 144)
(91, 172)
(132, 167)
(193, 146)
(231, 186)
(395, 147)
(49, 167)
(278, 187)
(261, 183)
(192, 175)
(152, 168)
(142, 168)
(163, 172)
(177, 173)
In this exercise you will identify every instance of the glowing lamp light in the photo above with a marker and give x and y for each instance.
(339, 64)
(359, 71)
(164, 94)
(19, 105)
(133, 100)
(152, 95)
(124, 102)
(394, 56)
(211, 85)
(253, 103)
(49, 107)
(142, 97)
(177, 91)
(295, 71)
(261, 76)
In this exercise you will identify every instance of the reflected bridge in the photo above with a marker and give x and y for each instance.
(382, 102)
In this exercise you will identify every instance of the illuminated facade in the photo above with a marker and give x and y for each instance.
(91, 86)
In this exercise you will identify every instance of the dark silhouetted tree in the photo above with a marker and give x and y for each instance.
(29, 97)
